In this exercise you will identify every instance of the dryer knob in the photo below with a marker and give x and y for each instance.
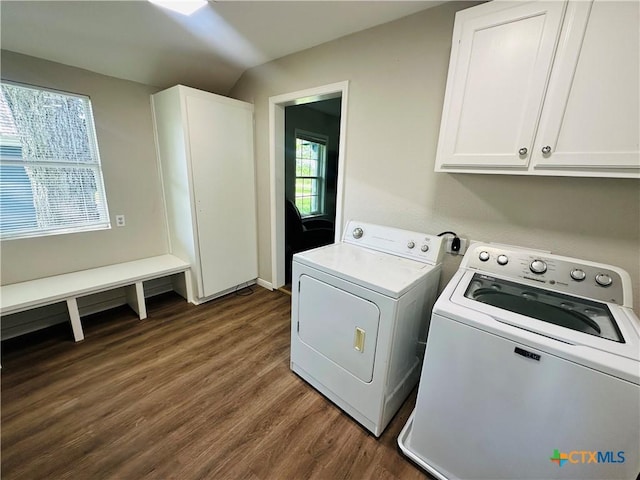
(411, 244)
(503, 259)
(483, 256)
(358, 232)
(603, 280)
(424, 248)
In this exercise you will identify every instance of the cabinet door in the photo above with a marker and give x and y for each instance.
(591, 114)
(221, 150)
(500, 63)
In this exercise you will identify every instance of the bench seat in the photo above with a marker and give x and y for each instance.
(18, 297)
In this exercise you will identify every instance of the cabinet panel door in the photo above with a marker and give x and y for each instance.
(592, 110)
(500, 63)
(221, 147)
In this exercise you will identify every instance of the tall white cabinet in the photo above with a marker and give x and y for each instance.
(205, 147)
(544, 88)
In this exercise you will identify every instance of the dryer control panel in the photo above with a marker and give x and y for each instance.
(418, 246)
(563, 274)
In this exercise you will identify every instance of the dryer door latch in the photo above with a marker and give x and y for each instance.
(358, 340)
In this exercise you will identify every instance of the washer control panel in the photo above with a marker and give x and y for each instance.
(563, 274)
(403, 243)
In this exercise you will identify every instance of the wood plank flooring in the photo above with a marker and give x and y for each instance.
(189, 393)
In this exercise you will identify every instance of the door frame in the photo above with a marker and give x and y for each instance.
(277, 105)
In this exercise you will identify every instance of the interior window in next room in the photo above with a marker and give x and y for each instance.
(311, 155)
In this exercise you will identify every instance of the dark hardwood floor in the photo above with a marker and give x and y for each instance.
(191, 392)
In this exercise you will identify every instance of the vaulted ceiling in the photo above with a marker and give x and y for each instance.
(140, 41)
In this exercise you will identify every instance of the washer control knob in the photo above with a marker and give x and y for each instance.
(411, 244)
(483, 256)
(603, 280)
(578, 275)
(424, 248)
(503, 259)
(358, 232)
(538, 266)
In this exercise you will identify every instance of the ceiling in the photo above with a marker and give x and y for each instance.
(140, 41)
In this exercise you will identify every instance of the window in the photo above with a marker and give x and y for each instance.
(50, 175)
(311, 157)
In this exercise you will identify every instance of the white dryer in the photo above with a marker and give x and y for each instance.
(359, 310)
(532, 370)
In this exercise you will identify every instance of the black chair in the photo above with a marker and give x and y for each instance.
(303, 234)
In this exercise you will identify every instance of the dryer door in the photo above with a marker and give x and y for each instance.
(339, 325)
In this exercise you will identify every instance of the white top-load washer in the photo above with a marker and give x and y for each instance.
(532, 370)
(359, 310)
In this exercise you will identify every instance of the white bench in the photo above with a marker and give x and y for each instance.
(19, 297)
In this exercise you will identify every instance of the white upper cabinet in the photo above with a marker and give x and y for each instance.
(590, 121)
(500, 62)
(543, 88)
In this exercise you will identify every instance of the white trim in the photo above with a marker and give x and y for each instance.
(311, 136)
(342, 149)
(228, 291)
(264, 284)
(163, 206)
(276, 162)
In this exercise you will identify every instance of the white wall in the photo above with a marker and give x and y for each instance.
(397, 75)
(122, 114)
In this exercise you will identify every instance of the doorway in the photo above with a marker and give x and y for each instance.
(311, 148)
(313, 204)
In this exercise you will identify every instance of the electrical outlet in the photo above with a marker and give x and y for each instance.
(120, 221)
(463, 246)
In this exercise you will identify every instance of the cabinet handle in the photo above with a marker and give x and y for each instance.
(523, 151)
(546, 149)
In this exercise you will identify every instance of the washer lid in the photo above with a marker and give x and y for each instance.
(574, 313)
(595, 332)
(384, 273)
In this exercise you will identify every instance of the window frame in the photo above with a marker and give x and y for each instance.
(104, 223)
(322, 170)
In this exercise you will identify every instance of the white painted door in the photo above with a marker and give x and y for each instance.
(340, 326)
(591, 116)
(221, 147)
(500, 62)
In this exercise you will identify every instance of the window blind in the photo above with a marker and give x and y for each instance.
(50, 173)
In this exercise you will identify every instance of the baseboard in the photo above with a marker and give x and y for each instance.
(264, 284)
(200, 301)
